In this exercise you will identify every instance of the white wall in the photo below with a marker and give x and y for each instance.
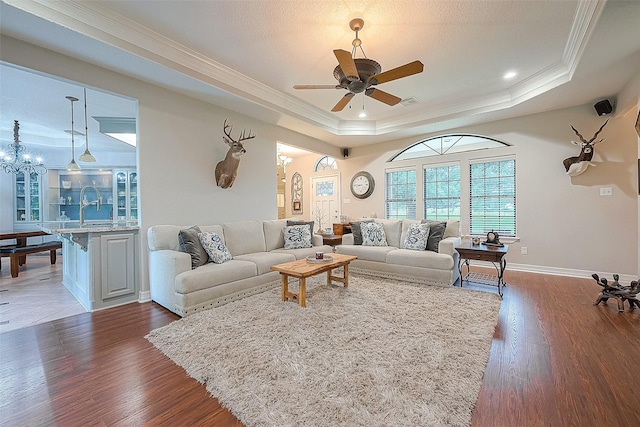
(179, 144)
(566, 225)
(563, 221)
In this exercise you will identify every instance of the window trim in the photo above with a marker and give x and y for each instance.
(415, 198)
(424, 185)
(515, 212)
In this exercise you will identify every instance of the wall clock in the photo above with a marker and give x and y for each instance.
(362, 185)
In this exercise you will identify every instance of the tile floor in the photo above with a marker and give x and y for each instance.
(37, 295)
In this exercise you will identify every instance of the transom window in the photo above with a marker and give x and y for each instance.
(325, 163)
(447, 144)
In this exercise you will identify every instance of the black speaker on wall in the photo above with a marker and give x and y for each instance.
(603, 107)
(345, 152)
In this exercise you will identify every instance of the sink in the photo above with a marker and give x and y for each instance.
(96, 225)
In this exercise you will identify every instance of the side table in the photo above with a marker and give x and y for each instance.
(331, 239)
(494, 254)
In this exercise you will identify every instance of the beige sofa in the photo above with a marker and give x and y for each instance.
(427, 267)
(255, 246)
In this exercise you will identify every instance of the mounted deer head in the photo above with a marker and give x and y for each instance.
(227, 169)
(578, 164)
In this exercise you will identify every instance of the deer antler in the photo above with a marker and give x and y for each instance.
(594, 136)
(228, 128)
(599, 130)
(243, 137)
(578, 133)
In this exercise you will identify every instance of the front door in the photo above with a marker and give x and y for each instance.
(325, 201)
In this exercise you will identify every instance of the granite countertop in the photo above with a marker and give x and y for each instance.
(67, 227)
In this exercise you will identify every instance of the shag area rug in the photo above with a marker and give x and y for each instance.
(378, 353)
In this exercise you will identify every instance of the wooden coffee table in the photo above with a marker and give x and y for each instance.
(302, 269)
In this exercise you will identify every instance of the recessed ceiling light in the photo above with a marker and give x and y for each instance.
(510, 75)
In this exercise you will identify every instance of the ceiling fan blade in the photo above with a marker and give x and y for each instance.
(347, 64)
(382, 96)
(316, 87)
(343, 102)
(409, 69)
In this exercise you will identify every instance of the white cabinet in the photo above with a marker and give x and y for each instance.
(100, 267)
(125, 195)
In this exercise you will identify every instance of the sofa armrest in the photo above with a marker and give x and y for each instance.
(447, 246)
(164, 266)
(347, 239)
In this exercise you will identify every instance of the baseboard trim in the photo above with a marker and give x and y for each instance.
(144, 296)
(570, 272)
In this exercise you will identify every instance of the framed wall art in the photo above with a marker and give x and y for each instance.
(296, 194)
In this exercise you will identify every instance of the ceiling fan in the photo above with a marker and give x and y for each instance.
(359, 75)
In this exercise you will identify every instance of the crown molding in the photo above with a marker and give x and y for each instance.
(94, 21)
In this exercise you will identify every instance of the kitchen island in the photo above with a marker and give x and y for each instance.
(100, 262)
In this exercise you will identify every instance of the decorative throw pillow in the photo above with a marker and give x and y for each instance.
(297, 237)
(356, 230)
(373, 234)
(436, 232)
(189, 243)
(417, 237)
(214, 246)
(310, 223)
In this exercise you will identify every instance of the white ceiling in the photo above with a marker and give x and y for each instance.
(247, 55)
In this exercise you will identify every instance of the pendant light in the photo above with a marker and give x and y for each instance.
(86, 156)
(72, 166)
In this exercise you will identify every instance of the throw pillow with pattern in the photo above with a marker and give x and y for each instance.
(417, 237)
(373, 234)
(297, 237)
(215, 247)
(293, 222)
(357, 232)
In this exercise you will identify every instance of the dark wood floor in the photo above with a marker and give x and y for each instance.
(556, 360)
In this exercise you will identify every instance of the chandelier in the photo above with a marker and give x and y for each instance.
(17, 160)
(283, 160)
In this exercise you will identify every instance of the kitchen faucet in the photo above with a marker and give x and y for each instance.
(83, 204)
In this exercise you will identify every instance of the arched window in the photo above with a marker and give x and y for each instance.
(325, 163)
(447, 144)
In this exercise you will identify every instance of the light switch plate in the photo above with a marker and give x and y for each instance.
(606, 191)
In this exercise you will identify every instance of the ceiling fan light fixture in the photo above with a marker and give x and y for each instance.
(356, 24)
(360, 75)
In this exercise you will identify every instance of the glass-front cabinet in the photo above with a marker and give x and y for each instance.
(28, 197)
(126, 194)
(65, 198)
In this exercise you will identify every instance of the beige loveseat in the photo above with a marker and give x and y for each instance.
(255, 246)
(433, 268)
